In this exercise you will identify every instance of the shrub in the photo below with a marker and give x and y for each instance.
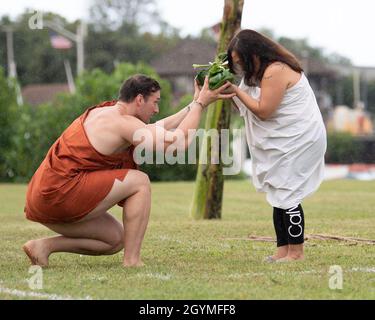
(342, 148)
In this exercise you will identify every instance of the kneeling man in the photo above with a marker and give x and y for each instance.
(90, 168)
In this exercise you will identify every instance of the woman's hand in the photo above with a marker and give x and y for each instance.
(232, 89)
(207, 96)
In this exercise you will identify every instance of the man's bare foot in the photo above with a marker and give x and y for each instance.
(36, 252)
(131, 264)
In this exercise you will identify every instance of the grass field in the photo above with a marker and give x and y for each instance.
(188, 259)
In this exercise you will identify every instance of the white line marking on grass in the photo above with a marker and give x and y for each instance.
(33, 294)
(367, 270)
(167, 238)
(322, 272)
(159, 276)
(255, 274)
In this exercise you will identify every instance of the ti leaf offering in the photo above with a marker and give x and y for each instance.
(217, 72)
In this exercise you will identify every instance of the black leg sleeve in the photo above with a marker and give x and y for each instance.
(280, 229)
(295, 224)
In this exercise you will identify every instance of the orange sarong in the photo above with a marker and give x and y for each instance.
(74, 177)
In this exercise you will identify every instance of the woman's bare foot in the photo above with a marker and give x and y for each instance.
(280, 253)
(36, 252)
(290, 258)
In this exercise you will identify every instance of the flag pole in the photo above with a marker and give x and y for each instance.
(69, 76)
(77, 38)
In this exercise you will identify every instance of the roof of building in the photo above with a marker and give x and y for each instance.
(179, 60)
(36, 94)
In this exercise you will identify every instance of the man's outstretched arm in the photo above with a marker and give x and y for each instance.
(154, 136)
(173, 121)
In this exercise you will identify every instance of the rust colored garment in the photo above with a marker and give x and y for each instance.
(74, 177)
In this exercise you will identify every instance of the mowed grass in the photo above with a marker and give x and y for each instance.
(188, 259)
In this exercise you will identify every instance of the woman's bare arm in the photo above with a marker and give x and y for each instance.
(273, 86)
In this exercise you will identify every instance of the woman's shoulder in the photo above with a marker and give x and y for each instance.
(283, 72)
(277, 67)
(276, 71)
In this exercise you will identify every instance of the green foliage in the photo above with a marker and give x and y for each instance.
(371, 97)
(38, 62)
(8, 117)
(342, 91)
(217, 72)
(125, 44)
(342, 148)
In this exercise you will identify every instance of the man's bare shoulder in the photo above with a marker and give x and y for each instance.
(127, 125)
(129, 121)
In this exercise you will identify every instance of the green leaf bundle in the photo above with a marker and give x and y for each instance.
(217, 72)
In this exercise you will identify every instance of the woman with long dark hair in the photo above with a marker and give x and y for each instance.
(284, 130)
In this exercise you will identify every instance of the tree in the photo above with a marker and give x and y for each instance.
(371, 98)
(127, 44)
(8, 109)
(208, 193)
(112, 14)
(37, 61)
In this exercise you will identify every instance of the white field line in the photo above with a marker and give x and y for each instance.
(159, 276)
(255, 274)
(39, 295)
(366, 270)
(321, 272)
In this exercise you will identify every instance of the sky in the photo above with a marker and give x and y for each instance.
(345, 27)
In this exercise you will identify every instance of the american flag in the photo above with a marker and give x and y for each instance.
(60, 42)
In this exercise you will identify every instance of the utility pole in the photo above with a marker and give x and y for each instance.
(12, 73)
(78, 38)
(12, 69)
(356, 88)
(80, 47)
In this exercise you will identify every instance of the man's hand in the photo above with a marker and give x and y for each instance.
(197, 90)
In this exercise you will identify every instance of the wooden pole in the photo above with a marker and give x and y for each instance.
(208, 193)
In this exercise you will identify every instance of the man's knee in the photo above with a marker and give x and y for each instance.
(116, 248)
(116, 241)
(143, 182)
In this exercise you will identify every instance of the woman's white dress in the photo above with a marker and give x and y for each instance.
(287, 149)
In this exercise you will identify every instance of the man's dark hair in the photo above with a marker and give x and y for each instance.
(138, 84)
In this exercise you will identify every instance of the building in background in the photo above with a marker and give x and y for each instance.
(36, 94)
(176, 65)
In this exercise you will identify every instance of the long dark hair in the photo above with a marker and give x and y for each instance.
(249, 44)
